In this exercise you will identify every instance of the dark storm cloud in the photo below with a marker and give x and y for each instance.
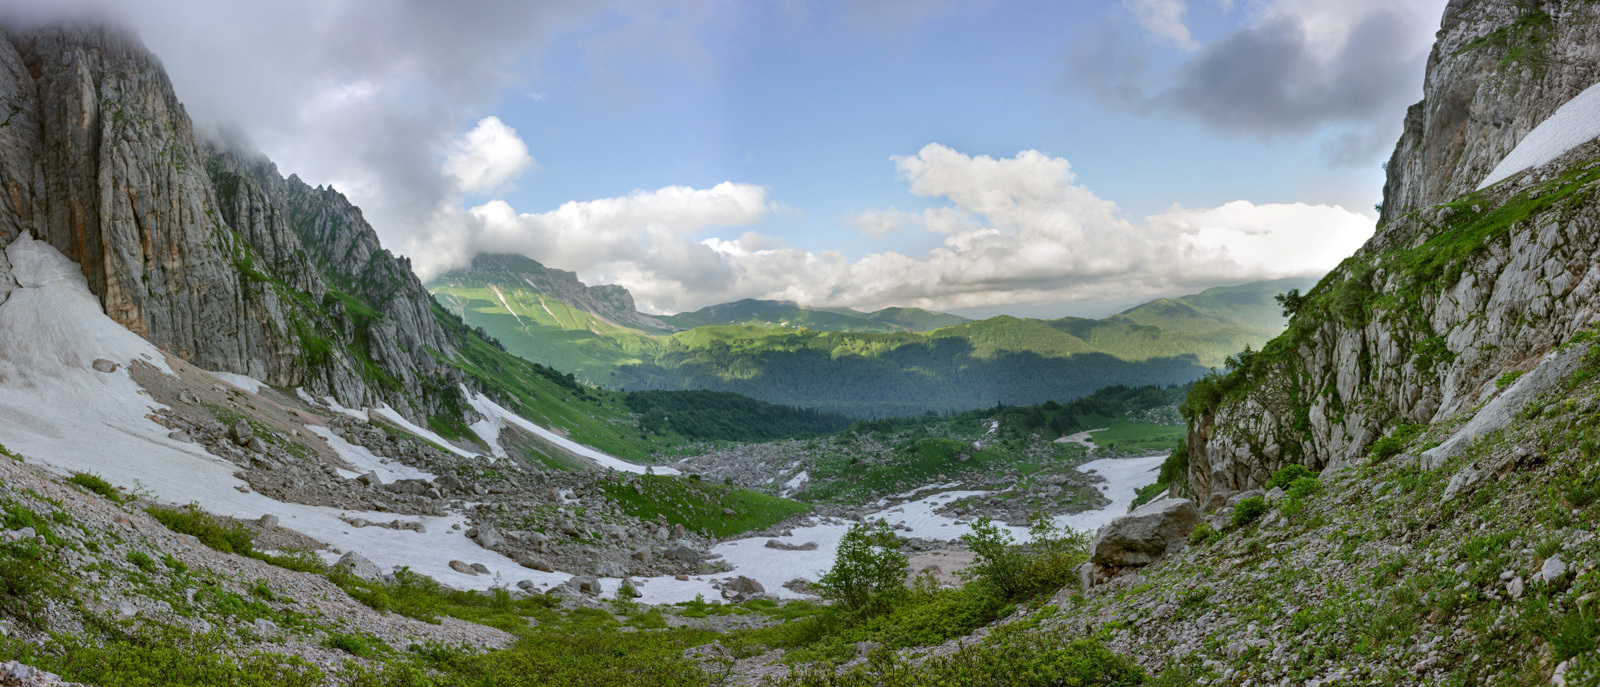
(1269, 79)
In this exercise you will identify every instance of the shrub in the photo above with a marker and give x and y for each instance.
(27, 577)
(220, 534)
(868, 572)
(1287, 475)
(1247, 511)
(1507, 379)
(997, 560)
(1204, 534)
(142, 560)
(1300, 491)
(1397, 441)
(96, 484)
(1017, 658)
(353, 644)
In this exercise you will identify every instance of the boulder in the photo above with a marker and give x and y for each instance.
(643, 556)
(1141, 537)
(745, 585)
(268, 522)
(683, 553)
(528, 586)
(487, 537)
(783, 546)
(586, 584)
(241, 433)
(358, 565)
(610, 569)
(1464, 481)
(462, 567)
(1553, 570)
(535, 563)
(103, 365)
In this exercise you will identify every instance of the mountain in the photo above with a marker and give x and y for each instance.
(751, 312)
(972, 365)
(492, 272)
(1464, 287)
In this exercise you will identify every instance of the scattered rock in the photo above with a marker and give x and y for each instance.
(241, 433)
(535, 563)
(1553, 570)
(358, 565)
(103, 365)
(781, 546)
(462, 567)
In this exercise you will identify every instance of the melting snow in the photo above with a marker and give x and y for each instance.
(794, 483)
(365, 461)
(490, 409)
(250, 384)
(388, 413)
(1573, 124)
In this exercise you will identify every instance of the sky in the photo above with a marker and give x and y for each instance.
(980, 157)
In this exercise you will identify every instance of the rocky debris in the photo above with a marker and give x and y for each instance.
(1144, 535)
(535, 563)
(358, 565)
(14, 674)
(585, 584)
(1464, 481)
(486, 536)
(103, 365)
(783, 546)
(241, 433)
(462, 567)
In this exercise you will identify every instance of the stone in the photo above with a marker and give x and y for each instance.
(1463, 481)
(681, 577)
(585, 584)
(1142, 537)
(1553, 570)
(359, 566)
(126, 608)
(268, 522)
(1514, 588)
(528, 586)
(782, 546)
(103, 365)
(610, 569)
(486, 536)
(462, 567)
(1275, 495)
(643, 556)
(684, 553)
(535, 563)
(481, 569)
(241, 433)
(745, 585)
(370, 479)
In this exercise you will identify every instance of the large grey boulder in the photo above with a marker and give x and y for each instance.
(487, 536)
(1141, 537)
(359, 566)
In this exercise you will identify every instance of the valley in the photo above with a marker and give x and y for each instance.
(243, 442)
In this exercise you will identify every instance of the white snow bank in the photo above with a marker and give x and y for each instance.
(333, 405)
(488, 430)
(1573, 124)
(794, 483)
(365, 461)
(250, 384)
(773, 567)
(493, 411)
(58, 411)
(388, 413)
(308, 398)
(46, 336)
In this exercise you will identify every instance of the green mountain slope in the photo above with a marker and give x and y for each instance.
(758, 313)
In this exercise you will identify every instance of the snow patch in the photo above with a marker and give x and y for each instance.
(244, 383)
(365, 461)
(333, 405)
(1573, 124)
(388, 413)
(794, 483)
(490, 409)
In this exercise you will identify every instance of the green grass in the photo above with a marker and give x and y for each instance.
(699, 505)
(1126, 435)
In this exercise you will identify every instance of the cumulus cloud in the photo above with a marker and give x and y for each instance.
(1293, 67)
(488, 157)
(1015, 230)
(1163, 18)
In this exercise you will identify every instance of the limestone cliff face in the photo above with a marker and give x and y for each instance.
(1456, 288)
(208, 253)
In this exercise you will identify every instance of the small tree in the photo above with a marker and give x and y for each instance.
(997, 559)
(869, 571)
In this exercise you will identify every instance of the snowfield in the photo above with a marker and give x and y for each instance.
(56, 409)
(1573, 124)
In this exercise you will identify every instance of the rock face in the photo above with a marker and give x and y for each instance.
(1141, 537)
(610, 302)
(203, 250)
(1453, 290)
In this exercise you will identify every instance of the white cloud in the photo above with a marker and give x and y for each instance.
(1164, 18)
(488, 157)
(1016, 230)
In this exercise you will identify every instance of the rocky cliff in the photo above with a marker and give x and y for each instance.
(1458, 286)
(208, 253)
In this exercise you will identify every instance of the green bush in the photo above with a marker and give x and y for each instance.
(997, 560)
(1246, 511)
(142, 560)
(868, 572)
(1013, 658)
(1287, 475)
(218, 533)
(1397, 441)
(1204, 534)
(96, 484)
(1507, 379)
(28, 577)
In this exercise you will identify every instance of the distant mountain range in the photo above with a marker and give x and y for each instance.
(892, 361)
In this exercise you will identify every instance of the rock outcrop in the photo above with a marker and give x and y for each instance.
(207, 252)
(1456, 288)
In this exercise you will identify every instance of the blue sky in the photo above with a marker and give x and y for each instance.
(1036, 158)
